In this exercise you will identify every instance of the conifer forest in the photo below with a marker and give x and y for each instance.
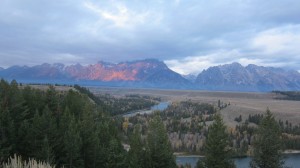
(75, 128)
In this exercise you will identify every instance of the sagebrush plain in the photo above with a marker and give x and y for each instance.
(241, 103)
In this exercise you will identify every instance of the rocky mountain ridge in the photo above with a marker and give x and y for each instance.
(155, 74)
(141, 73)
(250, 78)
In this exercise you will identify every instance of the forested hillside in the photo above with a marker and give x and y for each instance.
(62, 128)
(75, 128)
(65, 128)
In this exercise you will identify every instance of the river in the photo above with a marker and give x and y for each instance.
(291, 160)
(161, 106)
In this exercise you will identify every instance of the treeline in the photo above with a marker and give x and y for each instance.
(288, 95)
(122, 105)
(243, 135)
(66, 129)
(61, 128)
(186, 124)
(290, 135)
(241, 139)
(266, 148)
(255, 118)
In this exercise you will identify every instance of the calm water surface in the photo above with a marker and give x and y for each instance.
(161, 106)
(291, 160)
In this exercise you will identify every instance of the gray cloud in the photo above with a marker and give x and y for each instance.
(187, 35)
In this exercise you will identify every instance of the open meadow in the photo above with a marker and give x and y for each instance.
(241, 103)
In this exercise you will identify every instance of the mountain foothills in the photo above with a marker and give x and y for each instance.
(152, 73)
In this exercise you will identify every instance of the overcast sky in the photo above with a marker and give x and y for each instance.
(188, 35)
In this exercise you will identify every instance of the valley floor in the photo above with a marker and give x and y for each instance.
(241, 103)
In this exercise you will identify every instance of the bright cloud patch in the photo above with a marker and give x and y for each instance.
(195, 64)
(121, 16)
(281, 40)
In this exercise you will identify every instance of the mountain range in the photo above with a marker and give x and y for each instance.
(151, 73)
(250, 78)
(143, 73)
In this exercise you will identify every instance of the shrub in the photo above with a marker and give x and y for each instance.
(17, 162)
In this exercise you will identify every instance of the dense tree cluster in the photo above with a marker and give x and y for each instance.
(267, 145)
(62, 128)
(74, 128)
(154, 151)
(238, 119)
(242, 137)
(129, 103)
(290, 135)
(256, 118)
(287, 95)
(66, 128)
(187, 109)
(185, 122)
(187, 126)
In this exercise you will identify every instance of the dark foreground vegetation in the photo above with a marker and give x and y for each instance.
(74, 128)
(70, 129)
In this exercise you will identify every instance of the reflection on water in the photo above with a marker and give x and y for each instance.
(291, 160)
(182, 160)
(161, 106)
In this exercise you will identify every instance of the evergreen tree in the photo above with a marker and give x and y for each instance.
(116, 154)
(89, 137)
(72, 144)
(46, 153)
(268, 145)
(217, 152)
(7, 135)
(64, 128)
(160, 151)
(136, 155)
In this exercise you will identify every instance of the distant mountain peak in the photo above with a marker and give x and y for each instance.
(155, 73)
(147, 73)
(250, 78)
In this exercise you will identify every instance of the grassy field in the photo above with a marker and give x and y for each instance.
(242, 103)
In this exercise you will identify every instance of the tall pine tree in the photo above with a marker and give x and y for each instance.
(159, 147)
(217, 152)
(137, 155)
(268, 145)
